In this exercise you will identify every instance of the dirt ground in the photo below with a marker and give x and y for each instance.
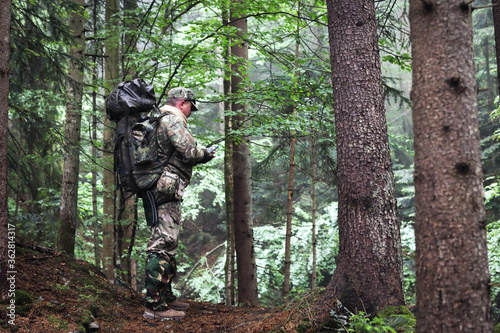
(69, 295)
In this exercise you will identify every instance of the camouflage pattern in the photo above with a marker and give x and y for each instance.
(170, 186)
(173, 134)
(164, 236)
(159, 275)
(184, 93)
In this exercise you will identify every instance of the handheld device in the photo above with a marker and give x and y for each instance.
(212, 149)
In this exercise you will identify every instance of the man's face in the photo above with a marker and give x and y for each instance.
(185, 107)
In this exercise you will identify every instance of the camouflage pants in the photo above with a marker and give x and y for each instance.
(161, 250)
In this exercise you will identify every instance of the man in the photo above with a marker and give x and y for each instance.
(178, 146)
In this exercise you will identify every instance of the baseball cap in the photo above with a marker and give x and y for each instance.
(184, 93)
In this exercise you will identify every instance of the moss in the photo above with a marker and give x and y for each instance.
(26, 250)
(57, 323)
(398, 317)
(86, 318)
(23, 297)
(24, 302)
(304, 326)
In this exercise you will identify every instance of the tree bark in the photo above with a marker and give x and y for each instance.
(496, 28)
(369, 266)
(126, 222)
(69, 194)
(229, 282)
(112, 77)
(313, 212)
(5, 14)
(450, 228)
(291, 176)
(243, 224)
(95, 223)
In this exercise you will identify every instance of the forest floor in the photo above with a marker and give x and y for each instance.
(57, 293)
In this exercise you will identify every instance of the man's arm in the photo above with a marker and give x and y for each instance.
(173, 129)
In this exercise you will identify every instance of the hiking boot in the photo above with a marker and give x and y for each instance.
(178, 305)
(169, 314)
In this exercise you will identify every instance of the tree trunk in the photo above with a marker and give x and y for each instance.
(125, 234)
(112, 77)
(288, 228)
(496, 28)
(5, 12)
(450, 228)
(69, 193)
(491, 93)
(127, 221)
(243, 224)
(95, 226)
(369, 265)
(291, 175)
(95, 210)
(229, 282)
(313, 212)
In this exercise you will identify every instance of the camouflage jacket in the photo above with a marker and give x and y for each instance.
(173, 135)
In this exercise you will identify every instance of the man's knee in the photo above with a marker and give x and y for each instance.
(159, 270)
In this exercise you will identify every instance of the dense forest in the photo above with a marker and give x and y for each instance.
(359, 146)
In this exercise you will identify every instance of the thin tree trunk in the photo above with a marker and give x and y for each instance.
(450, 228)
(95, 211)
(229, 285)
(496, 28)
(125, 233)
(69, 194)
(126, 220)
(291, 175)
(243, 224)
(369, 265)
(289, 211)
(491, 94)
(313, 212)
(112, 77)
(5, 14)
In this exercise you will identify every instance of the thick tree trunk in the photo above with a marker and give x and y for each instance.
(450, 228)
(112, 77)
(242, 171)
(369, 266)
(69, 194)
(5, 12)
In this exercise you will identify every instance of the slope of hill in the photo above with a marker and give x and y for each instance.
(56, 293)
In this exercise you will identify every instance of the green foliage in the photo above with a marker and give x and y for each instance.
(285, 93)
(399, 318)
(24, 302)
(361, 323)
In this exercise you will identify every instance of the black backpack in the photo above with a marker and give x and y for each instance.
(132, 104)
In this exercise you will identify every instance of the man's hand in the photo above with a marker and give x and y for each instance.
(207, 156)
